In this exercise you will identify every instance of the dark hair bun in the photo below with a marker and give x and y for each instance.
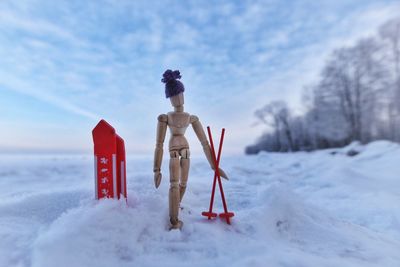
(170, 76)
(172, 85)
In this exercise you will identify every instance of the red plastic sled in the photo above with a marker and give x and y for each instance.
(109, 162)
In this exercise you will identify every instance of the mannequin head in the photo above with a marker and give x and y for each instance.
(177, 100)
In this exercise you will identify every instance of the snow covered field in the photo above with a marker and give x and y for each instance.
(303, 209)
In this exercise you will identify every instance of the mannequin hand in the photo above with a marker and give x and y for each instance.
(157, 178)
(222, 173)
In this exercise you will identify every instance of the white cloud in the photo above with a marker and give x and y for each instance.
(18, 86)
(107, 59)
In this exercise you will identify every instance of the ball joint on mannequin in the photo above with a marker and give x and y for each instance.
(177, 121)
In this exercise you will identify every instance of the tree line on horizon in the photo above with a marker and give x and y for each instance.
(357, 98)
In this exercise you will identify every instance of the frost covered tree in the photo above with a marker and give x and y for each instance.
(277, 115)
(357, 97)
(351, 83)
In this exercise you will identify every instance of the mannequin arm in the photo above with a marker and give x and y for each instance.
(158, 153)
(198, 129)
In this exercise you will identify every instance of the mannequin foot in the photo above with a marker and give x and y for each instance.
(176, 225)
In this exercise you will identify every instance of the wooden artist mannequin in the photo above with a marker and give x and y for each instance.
(177, 121)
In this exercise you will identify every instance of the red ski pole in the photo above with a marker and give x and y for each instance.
(209, 213)
(227, 215)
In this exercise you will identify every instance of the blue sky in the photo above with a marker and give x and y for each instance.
(66, 64)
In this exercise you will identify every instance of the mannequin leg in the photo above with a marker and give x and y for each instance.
(174, 170)
(185, 165)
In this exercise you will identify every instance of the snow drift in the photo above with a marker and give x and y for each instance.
(300, 209)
